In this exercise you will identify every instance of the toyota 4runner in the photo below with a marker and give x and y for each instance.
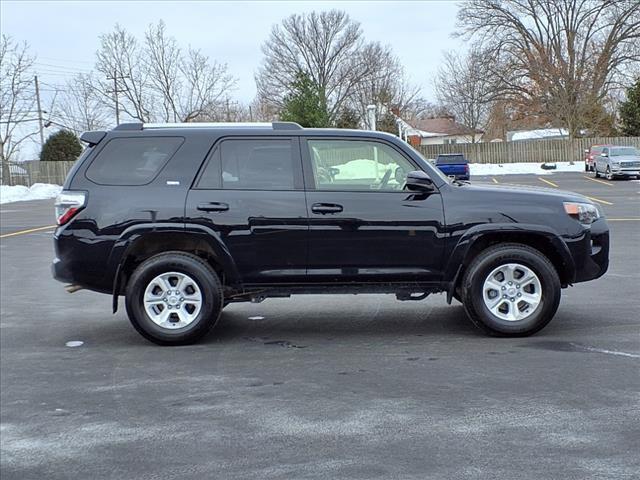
(183, 219)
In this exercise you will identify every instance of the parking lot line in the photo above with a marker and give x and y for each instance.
(623, 219)
(548, 182)
(599, 181)
(494, 180)
(24, 232)
(599, 200)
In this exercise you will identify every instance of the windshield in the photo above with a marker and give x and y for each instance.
(624, 151)
(430, 167)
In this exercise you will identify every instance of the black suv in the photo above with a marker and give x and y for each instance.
(185, 219)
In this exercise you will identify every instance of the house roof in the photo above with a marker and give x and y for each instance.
(537, 134)
(443, 127)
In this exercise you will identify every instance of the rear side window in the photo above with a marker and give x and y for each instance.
(132, 161)
(265, 164)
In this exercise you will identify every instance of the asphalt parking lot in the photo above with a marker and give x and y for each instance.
(361, 387)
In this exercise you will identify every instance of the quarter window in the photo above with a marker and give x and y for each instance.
(357, 165)
(132, 161)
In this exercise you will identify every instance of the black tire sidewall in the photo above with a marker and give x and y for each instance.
(204, 277)
(550, 291)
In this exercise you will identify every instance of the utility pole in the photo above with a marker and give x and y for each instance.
(115, 77)
(40, 123)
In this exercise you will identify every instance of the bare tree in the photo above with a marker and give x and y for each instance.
(385, 85)
(325, 46)
(125, 79)
(206, 87)
(559, 57)
(17, 101)
(465, 87)
(81, 107)
(155, 80)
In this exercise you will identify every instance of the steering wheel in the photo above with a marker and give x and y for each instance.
(385, 179)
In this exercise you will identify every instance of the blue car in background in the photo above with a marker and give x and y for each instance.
(453, 165)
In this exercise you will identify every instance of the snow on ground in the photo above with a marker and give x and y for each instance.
(515, 168)
(20, 193)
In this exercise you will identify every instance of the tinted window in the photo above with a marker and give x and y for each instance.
(450, 159)
(357, 165)
(132, 161)
(252, 164)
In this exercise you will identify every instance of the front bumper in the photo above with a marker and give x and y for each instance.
(591, 253)
(626, 172)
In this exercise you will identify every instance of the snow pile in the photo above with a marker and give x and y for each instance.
(363, 168)
(20, 193)
(520, 168)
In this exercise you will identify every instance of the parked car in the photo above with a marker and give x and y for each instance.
(590, 157)
(185, 219)
(616, 161)
(453, 165)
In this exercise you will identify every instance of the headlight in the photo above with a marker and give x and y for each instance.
(585, 213)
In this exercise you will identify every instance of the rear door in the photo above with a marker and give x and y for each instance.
(363, 226)
(250, 195)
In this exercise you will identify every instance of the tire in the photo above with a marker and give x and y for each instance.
(608, 175)
(494, 259)
(180, 319)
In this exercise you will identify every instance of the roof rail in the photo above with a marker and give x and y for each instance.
(206, 125)
(258, 125)
(129, 126)
(286, 126)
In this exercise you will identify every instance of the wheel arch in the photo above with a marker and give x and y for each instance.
(479, 238)
(138, 244)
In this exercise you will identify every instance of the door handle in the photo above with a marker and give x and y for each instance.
(213, 207)
(324, 208)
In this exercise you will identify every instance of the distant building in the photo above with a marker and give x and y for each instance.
(438, 131)
(538, 134)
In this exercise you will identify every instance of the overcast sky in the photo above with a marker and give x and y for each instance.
(64, 35)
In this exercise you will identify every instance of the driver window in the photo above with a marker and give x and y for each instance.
(357, 165)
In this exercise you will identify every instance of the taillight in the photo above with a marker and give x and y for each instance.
(68, 204)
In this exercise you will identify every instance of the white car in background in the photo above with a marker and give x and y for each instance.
(614, 162)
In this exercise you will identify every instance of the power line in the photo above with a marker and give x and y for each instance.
(50, 66)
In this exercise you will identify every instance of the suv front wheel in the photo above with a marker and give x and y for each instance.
(511, 290)
(174, 298)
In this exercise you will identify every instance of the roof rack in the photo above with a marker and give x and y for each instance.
(151, 126)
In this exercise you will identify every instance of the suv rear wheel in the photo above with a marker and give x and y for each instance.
(174, 298)
(511, 290)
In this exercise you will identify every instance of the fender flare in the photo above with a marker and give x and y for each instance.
(459, 253)
(130, 238)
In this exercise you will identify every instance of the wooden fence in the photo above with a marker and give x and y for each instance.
(35, 171)
(538, 151)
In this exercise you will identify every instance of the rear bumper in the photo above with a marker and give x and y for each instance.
(60, 272)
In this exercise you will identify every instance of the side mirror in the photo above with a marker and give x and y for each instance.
(604, 154)
(419, 181)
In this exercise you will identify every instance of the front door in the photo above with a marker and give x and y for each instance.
(363, 226)
(250, 195)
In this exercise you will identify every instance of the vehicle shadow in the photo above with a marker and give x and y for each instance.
(334, 325)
